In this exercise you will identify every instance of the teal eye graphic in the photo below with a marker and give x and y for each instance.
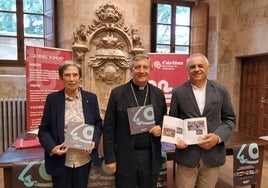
(34, 175)
(82, 133)
(144, 116)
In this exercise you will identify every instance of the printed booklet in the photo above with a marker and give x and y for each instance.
(141, 119)
(190, 130)
(79, 136)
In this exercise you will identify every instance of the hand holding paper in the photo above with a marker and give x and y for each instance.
(191, 130)
(155, 130)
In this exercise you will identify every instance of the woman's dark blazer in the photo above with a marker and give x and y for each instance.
(118, 143)
(51, 130)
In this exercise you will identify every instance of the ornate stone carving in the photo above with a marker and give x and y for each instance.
(135, 38)
(104, 49)
(109, 15)
(109, 46)
(80, 51)
(109, 73)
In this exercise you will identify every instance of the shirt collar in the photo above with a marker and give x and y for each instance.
(77, 96)
(138, 87)
(195, 87)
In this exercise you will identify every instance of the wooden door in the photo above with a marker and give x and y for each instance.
(199, 27)
(253, 117)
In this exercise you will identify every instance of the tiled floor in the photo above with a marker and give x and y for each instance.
(225, 177)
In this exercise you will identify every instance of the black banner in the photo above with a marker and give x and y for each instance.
(246, 164)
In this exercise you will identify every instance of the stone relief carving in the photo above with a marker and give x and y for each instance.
(104, 49)
(80, 52)
(136, 38)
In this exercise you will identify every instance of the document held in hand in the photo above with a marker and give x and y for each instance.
(190, 130)
(79, 136)
(141, 119)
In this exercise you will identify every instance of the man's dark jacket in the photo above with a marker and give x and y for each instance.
(118, 142)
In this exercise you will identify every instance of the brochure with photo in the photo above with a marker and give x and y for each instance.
(190, 130)
(141, 119)
(79, 136)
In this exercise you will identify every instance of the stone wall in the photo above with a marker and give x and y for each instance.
(74, 13)
(12, 82)
(236, 29)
